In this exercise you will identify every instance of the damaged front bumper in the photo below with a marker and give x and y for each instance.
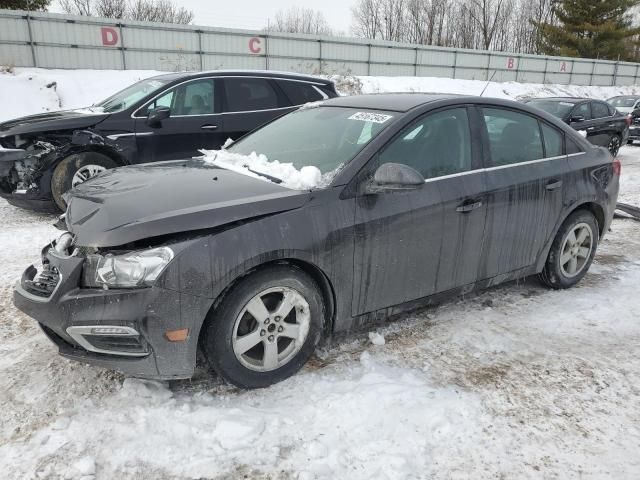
(23, 180)
(121, 329)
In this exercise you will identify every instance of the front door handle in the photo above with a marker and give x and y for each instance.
(209, 127)
(591, 128)
(553, 185)
(467, 207)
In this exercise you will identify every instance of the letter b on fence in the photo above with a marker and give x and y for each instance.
(109, 36)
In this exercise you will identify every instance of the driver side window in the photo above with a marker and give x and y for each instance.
(191, 98)
(435, 145)
(583, 110)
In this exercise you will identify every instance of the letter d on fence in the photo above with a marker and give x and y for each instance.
(109, 36)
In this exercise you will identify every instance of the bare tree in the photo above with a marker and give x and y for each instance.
(147, 10)
(366, 18)
(300, 20)
(505, 25)
(111, 8)
(77, 7)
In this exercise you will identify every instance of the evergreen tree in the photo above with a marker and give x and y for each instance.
(591, 29)
(31, 5)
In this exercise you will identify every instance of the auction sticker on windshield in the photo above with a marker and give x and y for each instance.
(370, 117)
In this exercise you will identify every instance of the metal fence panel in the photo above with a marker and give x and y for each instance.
(66, 41)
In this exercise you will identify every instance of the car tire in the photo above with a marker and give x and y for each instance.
(240, 347)
(75, 169)
(614, 145)
(571, 255)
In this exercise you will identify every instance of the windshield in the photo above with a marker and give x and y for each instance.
(310, 144)
(130, 95)
(627, 102)
(554, 107)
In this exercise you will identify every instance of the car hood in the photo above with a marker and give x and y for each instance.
(143, 201)
(42, 122)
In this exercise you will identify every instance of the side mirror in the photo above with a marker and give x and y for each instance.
(394, 177)
(156, 115)
(576, 119)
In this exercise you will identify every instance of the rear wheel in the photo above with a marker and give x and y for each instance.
(572, 251)
(266, 328)
(76, 169)
(614, 144)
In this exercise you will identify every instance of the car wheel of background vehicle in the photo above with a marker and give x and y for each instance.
(614, 144)
(76, 169)
(572, 251)
(266, 328)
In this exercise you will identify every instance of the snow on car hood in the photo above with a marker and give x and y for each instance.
(142, 201)
(259, 166)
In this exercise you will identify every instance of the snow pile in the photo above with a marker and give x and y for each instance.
(28, 91)
(341, 423)
(253, 165)
(41, 90)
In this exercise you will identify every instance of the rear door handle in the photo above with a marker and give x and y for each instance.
(591, 128)
(553, 185)
(467, 207)
(209, 127)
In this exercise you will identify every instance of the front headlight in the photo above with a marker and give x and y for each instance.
(132, 269)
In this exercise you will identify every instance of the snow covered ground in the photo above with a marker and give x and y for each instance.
(514, 382)
(35, 90)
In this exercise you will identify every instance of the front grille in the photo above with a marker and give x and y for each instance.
(43, 283)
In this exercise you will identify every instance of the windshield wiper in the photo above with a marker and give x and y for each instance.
(265, 175)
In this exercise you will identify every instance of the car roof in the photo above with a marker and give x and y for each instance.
(563, 99)
(397, 102)
(246, 73)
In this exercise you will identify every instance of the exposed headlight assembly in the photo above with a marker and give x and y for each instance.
(128, 270)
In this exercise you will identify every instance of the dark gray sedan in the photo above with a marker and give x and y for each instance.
(326, 219)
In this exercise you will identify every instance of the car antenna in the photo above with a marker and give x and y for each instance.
(488, 82)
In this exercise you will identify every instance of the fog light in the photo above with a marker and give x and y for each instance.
(111, 331)
(177, 335)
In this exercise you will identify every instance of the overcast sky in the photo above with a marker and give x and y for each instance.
(253, 14)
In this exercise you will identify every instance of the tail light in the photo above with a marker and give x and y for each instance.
(629, 120)
(617, 167)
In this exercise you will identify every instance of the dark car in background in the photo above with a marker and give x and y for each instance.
(629, 105)
(596, 120)
(162, 118)
(424, 197)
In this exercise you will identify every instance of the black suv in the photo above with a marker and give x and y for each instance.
(162, 118)
(596, 120)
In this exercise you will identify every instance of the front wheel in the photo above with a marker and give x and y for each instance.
(74, 170)
(572, 251)
(614, 145)
(266, 328)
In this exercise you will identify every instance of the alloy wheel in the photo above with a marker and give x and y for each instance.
(614, 145)
(576, 250)
(271, 329)
(86, 172)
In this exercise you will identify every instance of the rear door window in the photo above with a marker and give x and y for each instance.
(553, 140)
(513, 137)
(299, 92)
(599, 110)
(249, 94)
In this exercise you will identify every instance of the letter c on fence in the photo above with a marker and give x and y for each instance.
(255, 45)
(109, 36)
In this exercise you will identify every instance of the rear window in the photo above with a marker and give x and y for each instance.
(247, 94)
(299, 93)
